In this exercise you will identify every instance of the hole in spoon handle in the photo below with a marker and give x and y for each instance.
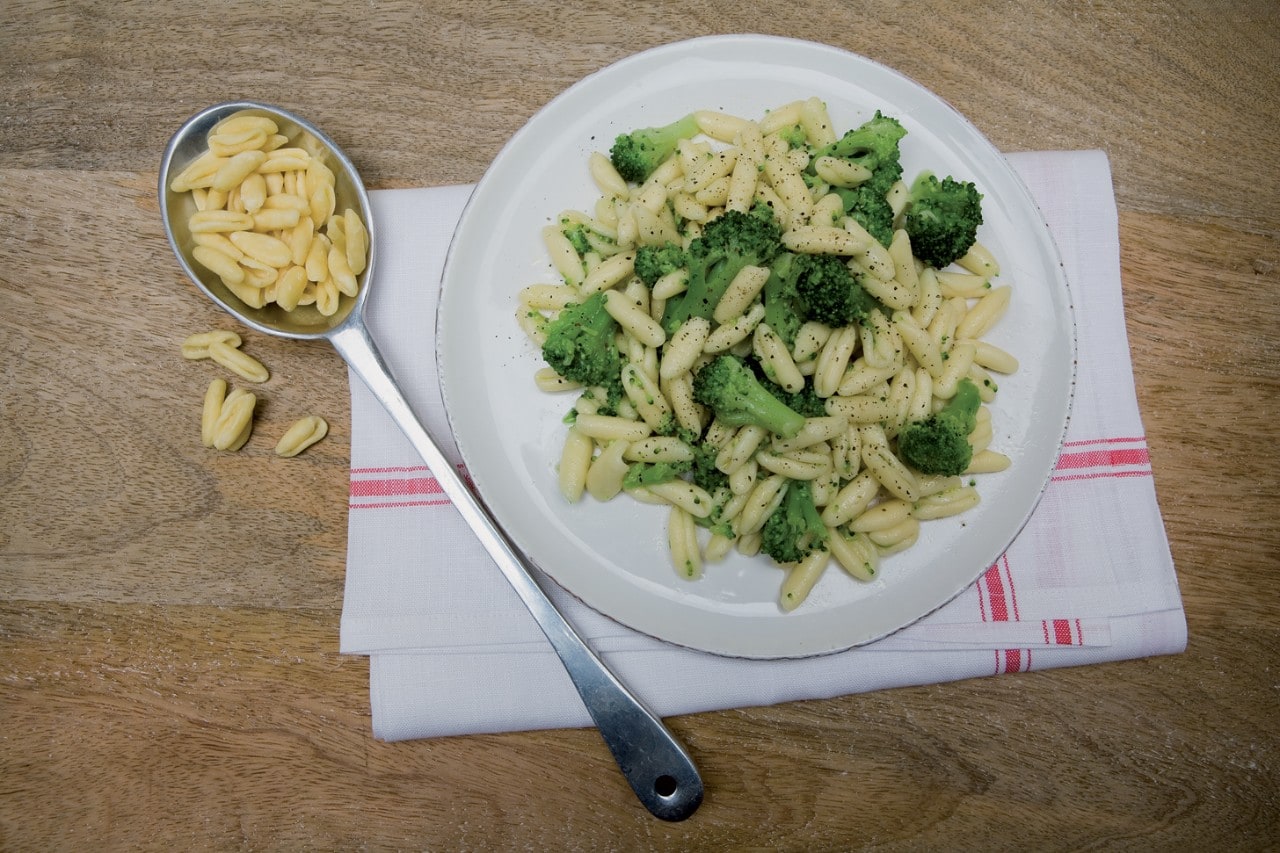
(654, 763)
(660, 772)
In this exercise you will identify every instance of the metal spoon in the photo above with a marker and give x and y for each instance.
(657, 767)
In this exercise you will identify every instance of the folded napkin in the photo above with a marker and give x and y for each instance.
(452, 650)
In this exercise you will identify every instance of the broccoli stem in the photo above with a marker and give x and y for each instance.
(962, 408)
(780, 299)
(735, 394)
(637, 154)
(707, 285)
(771, 413)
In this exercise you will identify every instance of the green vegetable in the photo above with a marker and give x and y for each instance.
(652, 473)
(870, 209)
(794, 136)
(831, 293)
(728, 243)
(715, 520)
(942, 219)
(732, 390)
(577, 236)
(705, 473)
(781, 301)
(637, 154)
(939, 444)
(580, 346)
(875, 146)
(653, 262)
(795, 528)
(805, 401)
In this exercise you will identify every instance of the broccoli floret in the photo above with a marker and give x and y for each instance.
(732, 390)
(728, 243)
(781, 302)
(652, 473)
(705, 473)
(668, 426)
(580, 346)
(939, 444)
(637, 154)
(831, 293)
(653, 262)
(605, 399)
(875, 146)
(870, 208)
(942, 218)
(795, 528)
(805, 401)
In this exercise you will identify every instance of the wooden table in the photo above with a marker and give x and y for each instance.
(169, 674)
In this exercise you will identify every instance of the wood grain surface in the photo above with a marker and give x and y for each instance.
(169, 675)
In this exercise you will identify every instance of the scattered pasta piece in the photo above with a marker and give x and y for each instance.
(226, 417)
(301, 435)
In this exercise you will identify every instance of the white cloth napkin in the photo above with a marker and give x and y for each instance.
(453, 651)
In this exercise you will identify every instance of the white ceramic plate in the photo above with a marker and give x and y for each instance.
(613, 556)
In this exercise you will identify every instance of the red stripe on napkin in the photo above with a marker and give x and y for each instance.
(399, 485)
(1103, 457)
(1013, 660)
(394, 486)
(997, 601)
(1094, 458)
(1063, 632)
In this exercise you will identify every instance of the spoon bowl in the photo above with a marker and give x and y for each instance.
(654, 763)
(189, 142)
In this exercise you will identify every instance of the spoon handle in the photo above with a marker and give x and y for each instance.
(654, 763)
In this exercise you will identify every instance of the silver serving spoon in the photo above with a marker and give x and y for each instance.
(657, 767)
